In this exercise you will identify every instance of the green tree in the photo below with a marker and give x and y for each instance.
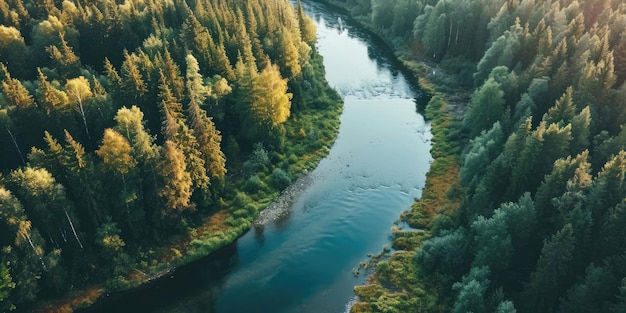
(171, 75)
(51, 98)
(66, 61)
(382, 13)
(289, 56)
(486, 107)
(207, 136)
(492, 242)
(116, 154)
(550, 277)
(506, 307)
(129, 123)
(563, 110)
(609, 188)
(611, 236)
(501, 52)
(482, 151)
(133, 84)
(580, 131)
(6, 286)
(15, 92)
(446, 253)
(197, 91)
(176, 130)
(472, 291)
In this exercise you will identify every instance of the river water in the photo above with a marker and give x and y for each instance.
(304, 260)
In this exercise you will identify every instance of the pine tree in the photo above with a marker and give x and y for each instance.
(67, 62)
(492, 242)
(472, 291)
(133, 85)
(550, 278)
(289, 56)
(171, 75)
(52, 99)
(15, 92)
(563, 110)
(177, 184)
(482, 151)
(207, 136)
(486, 107)
(306, 26)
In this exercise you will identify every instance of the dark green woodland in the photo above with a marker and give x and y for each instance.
(140, 135)
(533, 218)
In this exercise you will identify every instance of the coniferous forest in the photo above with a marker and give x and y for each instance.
(139, 135)
(524, 206)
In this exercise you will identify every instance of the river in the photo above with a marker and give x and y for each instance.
(304, 260)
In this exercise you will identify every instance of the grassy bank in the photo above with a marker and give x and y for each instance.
(397, 284)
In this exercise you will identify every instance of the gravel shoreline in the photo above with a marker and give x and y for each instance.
(279, 208)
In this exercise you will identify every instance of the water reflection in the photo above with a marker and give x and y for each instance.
(192, 287)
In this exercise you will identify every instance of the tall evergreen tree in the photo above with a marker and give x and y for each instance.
(486, 107)
(177, 184)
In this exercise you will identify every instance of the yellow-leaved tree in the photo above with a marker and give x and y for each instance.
(271, 103)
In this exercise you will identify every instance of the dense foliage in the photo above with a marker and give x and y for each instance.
(541, 224)
(128, 124)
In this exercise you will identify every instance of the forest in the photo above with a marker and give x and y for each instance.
(140, 135)
(532, 217)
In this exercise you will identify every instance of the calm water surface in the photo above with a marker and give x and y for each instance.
(304, 261)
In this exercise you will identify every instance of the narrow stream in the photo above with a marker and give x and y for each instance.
(304, 260)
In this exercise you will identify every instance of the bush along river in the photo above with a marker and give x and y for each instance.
(300, 255)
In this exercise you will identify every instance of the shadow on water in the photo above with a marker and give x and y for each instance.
(378, 50)
(202, 275)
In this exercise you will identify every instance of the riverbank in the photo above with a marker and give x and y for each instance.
(397, 282)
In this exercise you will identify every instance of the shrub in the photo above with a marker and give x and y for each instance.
(117, 283)
(257, 160)
(280, 179)
(253, 184)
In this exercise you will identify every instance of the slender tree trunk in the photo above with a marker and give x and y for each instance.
(15, 143)
(73, 229)
(62, 235)
(30, 241)
(82, 113)
(449, 37)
